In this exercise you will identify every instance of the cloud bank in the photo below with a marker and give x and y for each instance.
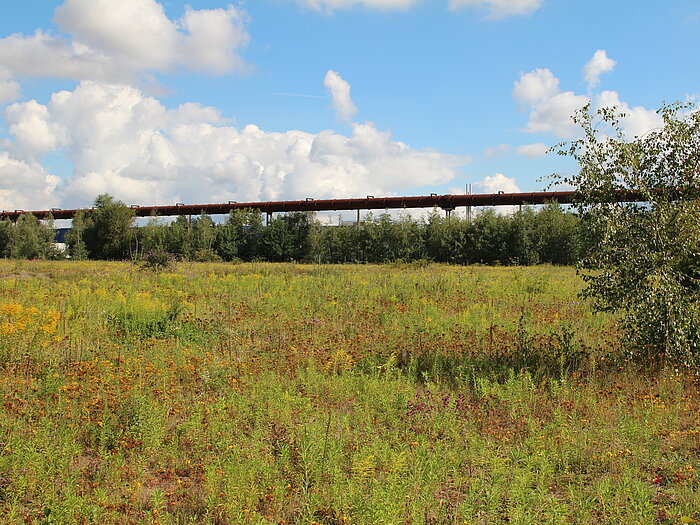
(122, 142)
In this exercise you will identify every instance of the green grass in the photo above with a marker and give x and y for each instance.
(262, 393)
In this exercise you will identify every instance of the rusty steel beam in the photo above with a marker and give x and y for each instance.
(446, 202)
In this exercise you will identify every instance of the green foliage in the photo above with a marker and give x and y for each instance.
(203, 234)
(526, 237)
(75, 238)
(445, 238)
(107, 232)
(290, 237)
(643, 257)
(157, 260)
(239, 236)
(6, 233)
(28, 238)
(386, 239)
(178, 237)
(562, 243)
(150, 237)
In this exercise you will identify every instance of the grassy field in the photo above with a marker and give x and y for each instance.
(262, 393)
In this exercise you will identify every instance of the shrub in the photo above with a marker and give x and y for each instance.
(157, 260)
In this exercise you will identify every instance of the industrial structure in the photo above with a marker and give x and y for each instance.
(446, 202)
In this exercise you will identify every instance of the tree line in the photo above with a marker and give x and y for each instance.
(529, 236)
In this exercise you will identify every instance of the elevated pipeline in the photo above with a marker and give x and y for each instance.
(446, 202)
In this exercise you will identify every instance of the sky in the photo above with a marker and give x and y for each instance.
(204, 101)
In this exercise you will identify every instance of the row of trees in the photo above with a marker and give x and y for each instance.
(547, 235)
(526, 237)
(28, 238)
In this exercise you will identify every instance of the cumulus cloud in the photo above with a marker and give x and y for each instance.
(535, 86)
(499, 8)
(340, 95)
(551, 109)
(25, 185)
(136, 37)
(496, 183)
(637, 121)
(331, 5)
(9, 89)
(34, 133)
(126, 143)
(596, 66)
(532, 151)
(553, 115)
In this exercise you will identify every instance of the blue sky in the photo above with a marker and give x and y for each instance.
(208, 101)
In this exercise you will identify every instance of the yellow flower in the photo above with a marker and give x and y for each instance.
(11, 309)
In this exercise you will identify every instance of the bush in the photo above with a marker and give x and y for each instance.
(642, 256)
(157, 260)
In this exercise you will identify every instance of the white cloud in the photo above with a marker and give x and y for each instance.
(331, 5)
(496, 183)
(340, 95)
(499, 8)
(535, 86)
(532, 151)
(125, 143)
(25, 185)
(553, 115)
(115, 40)
(596, 66)
(34, 134)
(9, 89)
(136, 31)
(638, 120)
(550, 108)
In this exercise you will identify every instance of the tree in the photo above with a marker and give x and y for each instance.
(203, 234)
(557, 235)
(642, 258)
(522, 242)
(277, 241)
(178, 238)
(75, 238)
(445, 238)
(239, 236)
(108, 228)
(291, 237)
(151, 237)
(489, 238)
(6, 234)
(31, 238)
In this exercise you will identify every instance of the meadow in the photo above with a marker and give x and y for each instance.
(266, 393)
